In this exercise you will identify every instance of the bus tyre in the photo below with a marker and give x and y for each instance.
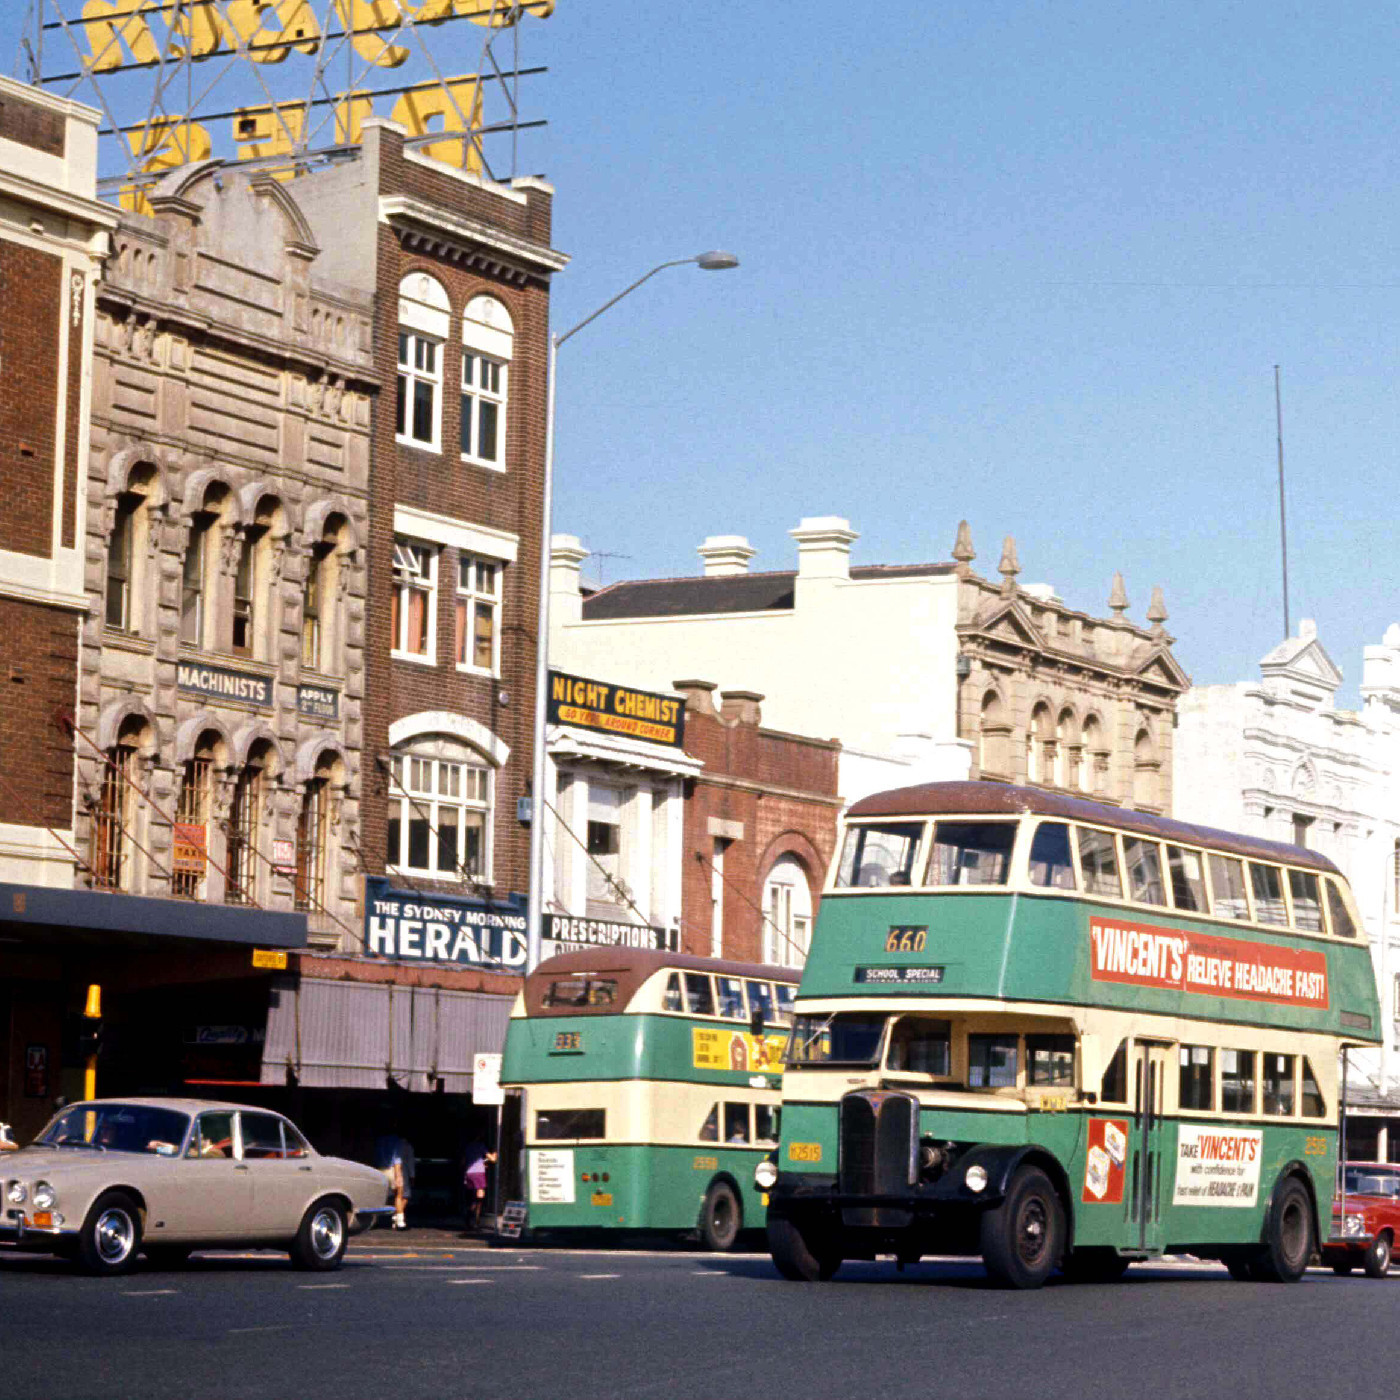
(1378, 1257)
(800, 1256)
(1094, 1266)
(1288, 1239)
(1023, 1237)
(721, 1217)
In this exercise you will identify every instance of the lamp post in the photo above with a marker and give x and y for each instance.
(709, 262)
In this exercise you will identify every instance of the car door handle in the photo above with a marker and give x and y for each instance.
(240, 1166)
(303, 1169)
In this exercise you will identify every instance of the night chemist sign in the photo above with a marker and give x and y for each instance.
(442, 928)
(639, 714)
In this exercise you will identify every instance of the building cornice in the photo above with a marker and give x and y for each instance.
(469, 241)
(71, 206)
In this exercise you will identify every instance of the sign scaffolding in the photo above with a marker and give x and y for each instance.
(286, 84)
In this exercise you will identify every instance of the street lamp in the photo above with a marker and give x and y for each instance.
(714, 261)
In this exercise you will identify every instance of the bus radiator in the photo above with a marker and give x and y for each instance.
(879, 1154)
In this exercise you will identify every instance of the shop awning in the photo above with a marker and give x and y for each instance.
(376, 1035)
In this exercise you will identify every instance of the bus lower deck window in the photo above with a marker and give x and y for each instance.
(1052, 866)
(709, 1129)
(849, 1038)
(565, 1124)
(1197, 1083)
(921, 1046)
(736, 1122)
(765, 1122)
(991, 1061)
(1050, 1059)
(1278, 1085)
(971, 853)
(1114, 1088)
(1237, 1081)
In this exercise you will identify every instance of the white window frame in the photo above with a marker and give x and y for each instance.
(404, 587)
(470, 596)
(474, 392)
(410, 373)
(412, 797)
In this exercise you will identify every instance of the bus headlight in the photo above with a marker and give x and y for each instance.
(765, 1174)
(976, 1178)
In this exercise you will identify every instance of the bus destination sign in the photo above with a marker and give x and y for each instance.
(899, 976)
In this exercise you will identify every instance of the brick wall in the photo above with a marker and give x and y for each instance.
(37, 683)
(440, 482)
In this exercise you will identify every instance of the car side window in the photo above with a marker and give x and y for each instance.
(262, 1137)
(212, 1136)
(293, 1144)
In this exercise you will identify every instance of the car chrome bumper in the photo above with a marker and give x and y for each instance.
(16, 1230)
(366, 1218)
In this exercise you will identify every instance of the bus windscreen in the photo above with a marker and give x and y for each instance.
(841, 1039)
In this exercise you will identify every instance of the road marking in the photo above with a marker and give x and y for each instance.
(271, 1327)
(152, 1293)
(468, 1280)
(600, 1275)
(457, 1268)
(709, 1273)
(314, 1286)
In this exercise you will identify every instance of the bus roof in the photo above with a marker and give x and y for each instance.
(633, 966)
(1006, 799)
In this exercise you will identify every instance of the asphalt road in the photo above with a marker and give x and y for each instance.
(408, 1319)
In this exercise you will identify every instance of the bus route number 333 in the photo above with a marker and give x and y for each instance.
(903, 938)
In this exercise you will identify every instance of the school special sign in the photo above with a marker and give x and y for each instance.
(442, 928)
(618, 709)
(1143, 955)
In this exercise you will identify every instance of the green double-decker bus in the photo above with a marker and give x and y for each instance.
(641, 1088)
(1058, 1034)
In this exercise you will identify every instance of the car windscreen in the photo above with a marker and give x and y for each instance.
(843, 1038)
(118, 1127)
(1360, 1182)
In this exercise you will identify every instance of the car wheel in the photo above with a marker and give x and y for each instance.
(1022, 1238)
(801, 1255)
(167, 1256)
(321, 1240)
(110, 1238)
(721, 1217)
(1378, 1257)
(1288, 1239)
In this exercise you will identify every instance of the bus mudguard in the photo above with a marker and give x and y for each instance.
(1286, 1172)
(1000, 1162)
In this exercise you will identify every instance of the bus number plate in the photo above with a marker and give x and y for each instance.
(601, 1198)
(568, 1042)
(706, 1164)
(906, 938)
(804, 1152)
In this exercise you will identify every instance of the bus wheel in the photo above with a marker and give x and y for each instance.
(1378, 1257)
(801, 1257)
(1023, 1237)
(1288, 1244)
(1094, 1266)
(721, 1217)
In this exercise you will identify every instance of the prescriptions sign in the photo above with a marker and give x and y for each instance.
(1143, 955)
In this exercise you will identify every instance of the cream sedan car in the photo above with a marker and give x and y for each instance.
(111, 1179)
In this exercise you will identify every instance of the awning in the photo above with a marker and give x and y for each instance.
(376, 1035)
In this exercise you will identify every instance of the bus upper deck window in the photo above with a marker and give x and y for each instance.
(761, 999)
(1188, 879)
(731, 998)
(1098, 858)
(971, 853)
(1051, 865)
(1144, 862)
(1278, 1084)
(1267, 883)
(787, 994)
(1237, 1081)
(1228, 898)
(1313, 1107)
(921, 1045)
(699, 994)
(672, 1000)
(567, 991)
(878, 855)
(1196, 1085)
(991, 1061)
(841, 1038)
(1342, 923)
(1307, 903)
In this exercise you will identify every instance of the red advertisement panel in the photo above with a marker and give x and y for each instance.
(1144, 955)
(1105, 1160)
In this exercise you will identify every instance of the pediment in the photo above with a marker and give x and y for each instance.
(1161, 667)
(1303, 660)
(1008, 622)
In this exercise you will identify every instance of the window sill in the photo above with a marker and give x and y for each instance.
(409, 872)
(413, 658)
(418, 445)
(481, 462)
(126, 641)
(492, 675)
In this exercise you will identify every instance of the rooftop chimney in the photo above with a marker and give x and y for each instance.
(824, 547)
(566, 556)
(726, 555)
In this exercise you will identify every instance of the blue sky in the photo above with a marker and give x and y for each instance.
(1030, 265)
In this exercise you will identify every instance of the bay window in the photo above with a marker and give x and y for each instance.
(440, 795)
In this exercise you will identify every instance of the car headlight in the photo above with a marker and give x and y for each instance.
(765, 1174)
(1354, 1225)
(976, 1178)
(16, 1195)
(44, 1195)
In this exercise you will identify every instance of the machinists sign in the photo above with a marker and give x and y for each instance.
(617, 709)
(224, 683)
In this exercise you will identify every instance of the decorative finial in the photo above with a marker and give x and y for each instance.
(1118, 597)
(1010, 566)
(1157, 609)
(963, 552)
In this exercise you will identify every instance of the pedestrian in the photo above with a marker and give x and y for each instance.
(394, 1157)
(474, 1179)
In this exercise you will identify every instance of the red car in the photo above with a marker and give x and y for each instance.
(1365, 1219)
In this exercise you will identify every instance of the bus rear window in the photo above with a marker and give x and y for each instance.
(846, 1038)
(879, 854)
(566, 1124)
(971, 853)
(582, 993)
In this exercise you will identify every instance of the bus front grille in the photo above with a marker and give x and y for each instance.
(879, 1152)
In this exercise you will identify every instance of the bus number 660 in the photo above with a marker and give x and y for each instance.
(906, 940)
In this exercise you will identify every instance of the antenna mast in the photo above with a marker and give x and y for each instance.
(1282, 514)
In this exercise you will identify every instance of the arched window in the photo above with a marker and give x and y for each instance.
(114, 815)
(488, 338)
(424, 325)
(1089, 767)
(1066, 751)
(126, 552)
(193, 812)
(787, 908)
(320, 594)
(313, 834)
(198, 591)
(1038, 746)
(245, 823)
(254, 606)
(1146, 770)
(993, 737)
(440, 800)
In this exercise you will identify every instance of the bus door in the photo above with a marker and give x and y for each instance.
(510, 1166)
(1147, 1150)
